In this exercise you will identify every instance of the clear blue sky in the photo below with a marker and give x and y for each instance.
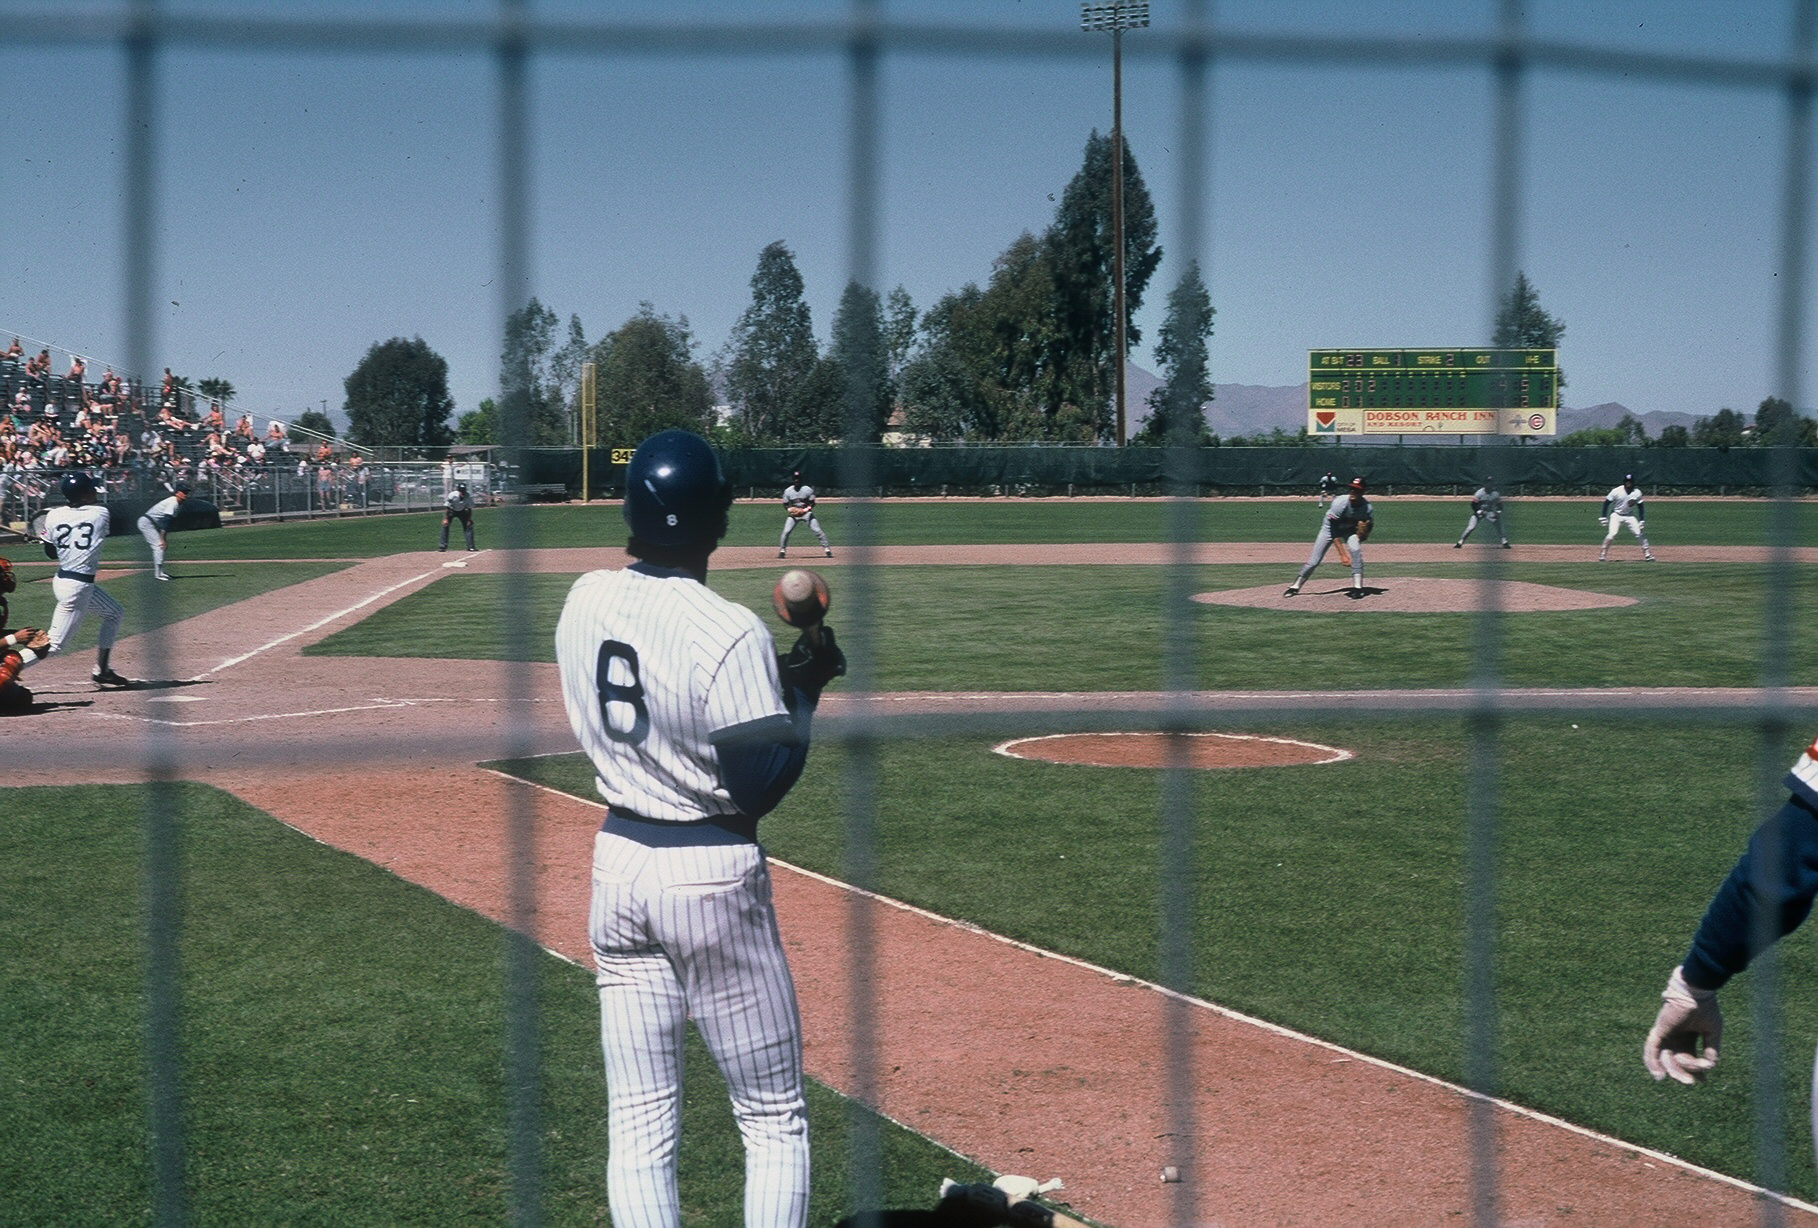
(313, 203)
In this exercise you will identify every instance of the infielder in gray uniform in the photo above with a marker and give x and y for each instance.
(458, 505)
(1348, 524)
(696, 730)
(154, 526)
(1623, 506)
(798, 502)
(1486, 504)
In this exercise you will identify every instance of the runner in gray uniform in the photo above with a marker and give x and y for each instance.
(1328, 486)
(695, 730)
(1486, 504)
(154, 526)
(1350, 520)
(798, 502)
(461, 506)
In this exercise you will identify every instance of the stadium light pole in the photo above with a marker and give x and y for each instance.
(1116, 16)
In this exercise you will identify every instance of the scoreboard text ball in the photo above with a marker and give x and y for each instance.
(1414, 392)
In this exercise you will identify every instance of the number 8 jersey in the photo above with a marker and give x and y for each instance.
(656, 668)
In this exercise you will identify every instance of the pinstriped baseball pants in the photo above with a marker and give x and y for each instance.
(680, 932)
(75, 598)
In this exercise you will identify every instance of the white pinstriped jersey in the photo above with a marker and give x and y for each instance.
(653, 665)
(78, 533)
(1624, 501)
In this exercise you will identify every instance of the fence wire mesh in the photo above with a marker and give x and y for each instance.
(864, 38)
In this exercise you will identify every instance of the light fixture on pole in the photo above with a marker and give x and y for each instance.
(1116, 16)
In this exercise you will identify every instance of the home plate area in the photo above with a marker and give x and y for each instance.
(1416, 595)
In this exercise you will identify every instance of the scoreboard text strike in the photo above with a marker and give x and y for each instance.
(1432, 392)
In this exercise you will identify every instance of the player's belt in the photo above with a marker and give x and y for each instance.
(663, 833)
(87, 577)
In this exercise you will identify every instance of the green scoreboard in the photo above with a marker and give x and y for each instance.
(1432, 392)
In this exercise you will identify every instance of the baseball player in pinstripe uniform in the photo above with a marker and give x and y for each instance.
(1767, 895)
(74, 536)
(1623, 506)
(1349, 520)
(154, 526)
(695, 730)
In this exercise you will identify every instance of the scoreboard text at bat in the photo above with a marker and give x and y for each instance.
(1432, 392)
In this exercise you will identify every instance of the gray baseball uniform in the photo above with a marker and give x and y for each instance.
(1486, 504)
(1347, 513)
(798, 498)
(154, 526)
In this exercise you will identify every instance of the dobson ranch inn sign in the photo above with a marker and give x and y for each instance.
(1432, 392)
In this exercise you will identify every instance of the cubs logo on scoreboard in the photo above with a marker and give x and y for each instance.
(1432, 392)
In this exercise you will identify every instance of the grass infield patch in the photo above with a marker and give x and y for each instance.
(1331, 898)
(342, 1041)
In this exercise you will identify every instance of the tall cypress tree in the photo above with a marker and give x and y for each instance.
(860, 350)
(1080, 246)
(1177, 409)
(773, 353)
(1523, 324)
(532, 409)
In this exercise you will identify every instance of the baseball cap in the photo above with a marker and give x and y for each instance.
(180, 487)
(1357, 484)
(1628, 477)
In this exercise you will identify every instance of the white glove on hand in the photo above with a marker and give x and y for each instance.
(1603, 520)
(1687, 1016)
(1642, 525)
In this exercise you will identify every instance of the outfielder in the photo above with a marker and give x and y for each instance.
(1347, 524)
(458, 505)
(1622, 506)
(74, 536)
(798, 502)
(1486, 504)
(1328, 486)
(695, 730)
(17, 648)
(1767, 895)
(154, 526)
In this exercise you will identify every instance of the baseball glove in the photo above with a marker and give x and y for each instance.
(811, 665)
(1363, 529)
(798, 512)
(34, 638)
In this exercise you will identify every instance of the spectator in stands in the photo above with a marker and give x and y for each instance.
(110, 387)
(172, 421)
(167, 392)
(255, 452)
(325, 454)
(37, 369)
(14, 352)
(22, 404)
(243, 429)
(77, 369)
(215, 421)
(276, 439)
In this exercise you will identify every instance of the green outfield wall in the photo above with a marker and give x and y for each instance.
(1520, 469)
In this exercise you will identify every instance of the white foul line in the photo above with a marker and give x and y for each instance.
(320, 622)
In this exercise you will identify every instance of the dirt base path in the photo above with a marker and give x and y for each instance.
(1028, 1062)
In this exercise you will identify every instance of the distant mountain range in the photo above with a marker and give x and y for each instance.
(1257, 409)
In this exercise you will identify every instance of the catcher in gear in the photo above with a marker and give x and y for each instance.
(18, 648)
(1347, 525)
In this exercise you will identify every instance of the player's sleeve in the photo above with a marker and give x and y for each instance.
(1775, 880)
(1606, 507)
(761, 745)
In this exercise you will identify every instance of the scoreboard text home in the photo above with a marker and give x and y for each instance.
(1432, 392)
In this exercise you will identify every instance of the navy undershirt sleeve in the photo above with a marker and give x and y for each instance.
(1775, 879)
(759, 770)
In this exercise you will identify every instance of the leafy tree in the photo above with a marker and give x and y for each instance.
(530, 396)
(1079, 247)
(1674, 437)
(317, 421)
(1723, 430)
(1177, 411)
(216, 389)
(899, 329)
(862, 357)
(1523, 324)
(398, 396)
(479, 426)
(1776, 422)
(772, 355)
(648, 380)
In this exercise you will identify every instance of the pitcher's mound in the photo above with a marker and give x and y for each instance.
(1150, 750)
(1415, 595)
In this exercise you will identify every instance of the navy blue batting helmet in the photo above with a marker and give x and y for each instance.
(675, 493)
(77, 486)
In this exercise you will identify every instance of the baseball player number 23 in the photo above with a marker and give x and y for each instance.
(631, 692)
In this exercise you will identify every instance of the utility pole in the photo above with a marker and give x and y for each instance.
(1116, 16)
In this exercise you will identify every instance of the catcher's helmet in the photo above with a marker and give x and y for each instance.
(7, 581)
(675, 493)
(77, 486)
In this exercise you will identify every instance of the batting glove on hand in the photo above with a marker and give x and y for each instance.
(1603, 520)
(812, 666)
(1642, 525)
(1687, 1017)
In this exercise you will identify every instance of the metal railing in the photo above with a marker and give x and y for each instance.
(863, 39)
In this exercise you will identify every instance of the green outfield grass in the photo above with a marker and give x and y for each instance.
(1102, 628)
(1331, 899)
(342, 1036)
(1671, 522)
